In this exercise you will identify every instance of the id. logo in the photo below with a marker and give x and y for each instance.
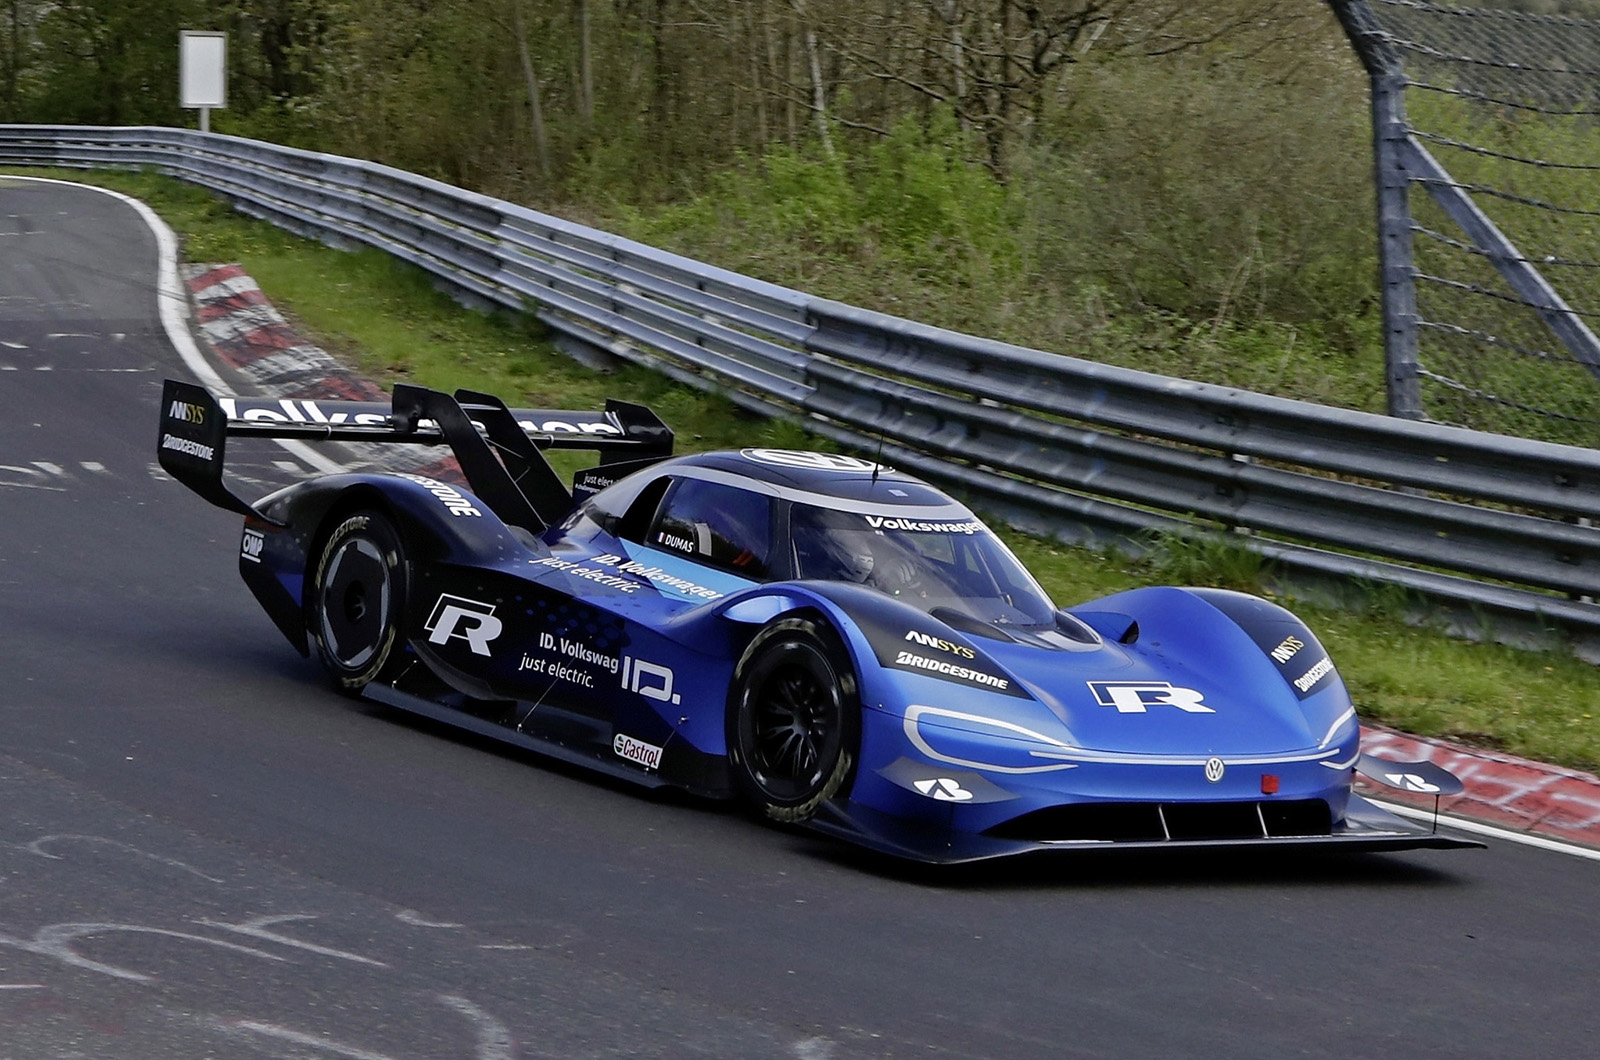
(650, 680)
(457, 618)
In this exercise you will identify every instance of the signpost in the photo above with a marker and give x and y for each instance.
(202, 72)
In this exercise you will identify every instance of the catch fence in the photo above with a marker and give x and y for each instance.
(1487, 150)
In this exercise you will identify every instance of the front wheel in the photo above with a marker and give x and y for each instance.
(794, 720)
(357, 599)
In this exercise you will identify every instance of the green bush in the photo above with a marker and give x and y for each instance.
(1172, 219)
(909, 224)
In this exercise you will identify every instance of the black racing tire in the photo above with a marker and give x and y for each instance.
(357, 600)
(794, 719)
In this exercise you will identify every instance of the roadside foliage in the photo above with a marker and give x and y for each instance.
(1177, 187)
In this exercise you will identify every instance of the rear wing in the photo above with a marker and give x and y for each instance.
(500, 449)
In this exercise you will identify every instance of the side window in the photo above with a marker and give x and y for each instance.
(637, 519)
(722, 526)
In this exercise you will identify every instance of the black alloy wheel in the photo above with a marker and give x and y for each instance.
(357, 599)
(794, 721)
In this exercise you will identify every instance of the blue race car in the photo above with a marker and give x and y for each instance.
(839, 644)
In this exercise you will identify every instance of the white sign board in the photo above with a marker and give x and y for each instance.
(202, 69)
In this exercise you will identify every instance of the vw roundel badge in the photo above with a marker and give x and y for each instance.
(814, 461)
(1214, 769)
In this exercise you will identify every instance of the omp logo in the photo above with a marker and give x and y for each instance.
(928, 640)
(814, 461)
(1287, 650)
(1137, 697)
(457, 618)
(184, 412)
(649, 679)
(252, 544)
(645, 754)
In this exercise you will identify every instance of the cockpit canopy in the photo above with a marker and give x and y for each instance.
(931, 555)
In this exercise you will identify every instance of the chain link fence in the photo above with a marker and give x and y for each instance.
(1495, 115)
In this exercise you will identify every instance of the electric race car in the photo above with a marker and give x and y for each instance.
(840, 644)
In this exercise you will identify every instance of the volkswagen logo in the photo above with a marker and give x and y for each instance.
(1214, 769)
(813, 461)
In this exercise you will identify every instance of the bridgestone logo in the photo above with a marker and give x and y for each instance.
(961, 673)
(448, 496)
(187, 447)
(1316, 673)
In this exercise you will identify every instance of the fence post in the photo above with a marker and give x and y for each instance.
(1395, 265)
(1392, 180)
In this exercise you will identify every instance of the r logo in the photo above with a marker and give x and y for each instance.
(943, 789)
(1137, 697)
(455, 617)
(1412, 782)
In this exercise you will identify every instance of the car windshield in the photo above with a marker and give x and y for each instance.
(930, 564)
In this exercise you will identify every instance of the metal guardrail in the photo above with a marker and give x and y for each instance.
(1071, 448)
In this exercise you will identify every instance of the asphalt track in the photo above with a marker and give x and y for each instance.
(206, 853)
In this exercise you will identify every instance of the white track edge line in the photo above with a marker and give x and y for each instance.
(1510, 835)
(173, 304)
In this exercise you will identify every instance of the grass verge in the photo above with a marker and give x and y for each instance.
(386, 318)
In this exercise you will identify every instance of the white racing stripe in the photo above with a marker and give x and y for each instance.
(173, 305)
(1510, 835)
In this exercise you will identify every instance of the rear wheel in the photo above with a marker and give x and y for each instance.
(357, 599)
(794, 720)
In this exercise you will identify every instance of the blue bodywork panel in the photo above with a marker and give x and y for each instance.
(1154, 717)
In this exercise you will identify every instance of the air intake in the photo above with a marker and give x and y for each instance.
(1147, 822)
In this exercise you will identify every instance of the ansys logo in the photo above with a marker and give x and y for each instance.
(184, 412)
(457, 618)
